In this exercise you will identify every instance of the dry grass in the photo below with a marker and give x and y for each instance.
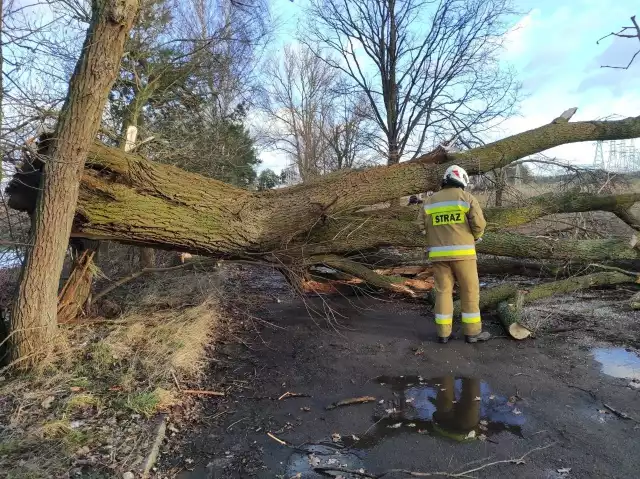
(173, 340)
(91, 402)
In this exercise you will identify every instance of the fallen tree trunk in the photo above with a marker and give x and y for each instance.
(491, 298)
(354, 237)
(129, 199)
(126, 198)
(531, 209)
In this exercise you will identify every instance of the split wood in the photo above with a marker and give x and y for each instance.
(351, 401)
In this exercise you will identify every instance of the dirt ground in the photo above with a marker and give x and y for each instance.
(449, 408)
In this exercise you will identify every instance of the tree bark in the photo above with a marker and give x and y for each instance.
(126, 198)
(491, 298)
(76, 292)
(35, 307)
(510, 315)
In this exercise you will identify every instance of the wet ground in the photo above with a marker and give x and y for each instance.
(425, 407)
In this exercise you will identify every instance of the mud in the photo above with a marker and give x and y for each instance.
(438, 407)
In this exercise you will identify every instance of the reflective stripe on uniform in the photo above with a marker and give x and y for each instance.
(471, 318)
(445, 206)
(444, 319)
(452, 251)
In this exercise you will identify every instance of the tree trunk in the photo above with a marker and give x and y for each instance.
(2, 153)
(510, 315)
(35, 307)
(128, 199)
(491, 298)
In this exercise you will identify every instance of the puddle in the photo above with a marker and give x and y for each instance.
(308, 457)
(618, 362)
(458, 409)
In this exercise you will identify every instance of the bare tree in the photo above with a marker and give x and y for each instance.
(35, 308)
(624, 33)
(428, 69)
(231, 37)
(313, 119)
(349, 132)
(299, 99)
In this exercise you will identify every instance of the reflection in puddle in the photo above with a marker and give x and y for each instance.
(618, 362)
(461, 409)
(305, 459)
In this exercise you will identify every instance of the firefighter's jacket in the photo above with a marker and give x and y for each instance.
(453, 221)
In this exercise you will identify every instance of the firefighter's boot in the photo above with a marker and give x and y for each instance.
(480, 337)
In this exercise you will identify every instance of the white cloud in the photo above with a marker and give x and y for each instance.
(274, 160)
(554, 51)
(516, 40)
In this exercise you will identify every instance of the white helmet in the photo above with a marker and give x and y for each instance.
(456, 175)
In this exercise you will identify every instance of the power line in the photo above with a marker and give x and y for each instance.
(620, 156)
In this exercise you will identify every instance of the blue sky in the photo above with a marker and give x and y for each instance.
(553, 49)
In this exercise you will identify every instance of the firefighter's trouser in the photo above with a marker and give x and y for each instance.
(459, 416)
(466, 273)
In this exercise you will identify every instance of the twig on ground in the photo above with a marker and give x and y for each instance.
(175, 379)
(351, 401)
(203, 392)
(239, 420)
(279, 441)
(620, 414)
(292, 395)
(519, 460)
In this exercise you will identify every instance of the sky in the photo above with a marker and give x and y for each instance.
(553, 48)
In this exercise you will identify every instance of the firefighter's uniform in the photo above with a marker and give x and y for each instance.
(453, 222)
(456, 419)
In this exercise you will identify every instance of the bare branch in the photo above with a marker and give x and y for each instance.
(620, 34)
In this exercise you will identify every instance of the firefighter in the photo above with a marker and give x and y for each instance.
(453, 223)
(456, 419)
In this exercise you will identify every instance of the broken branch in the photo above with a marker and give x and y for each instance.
(490, 298)
(350, 402)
